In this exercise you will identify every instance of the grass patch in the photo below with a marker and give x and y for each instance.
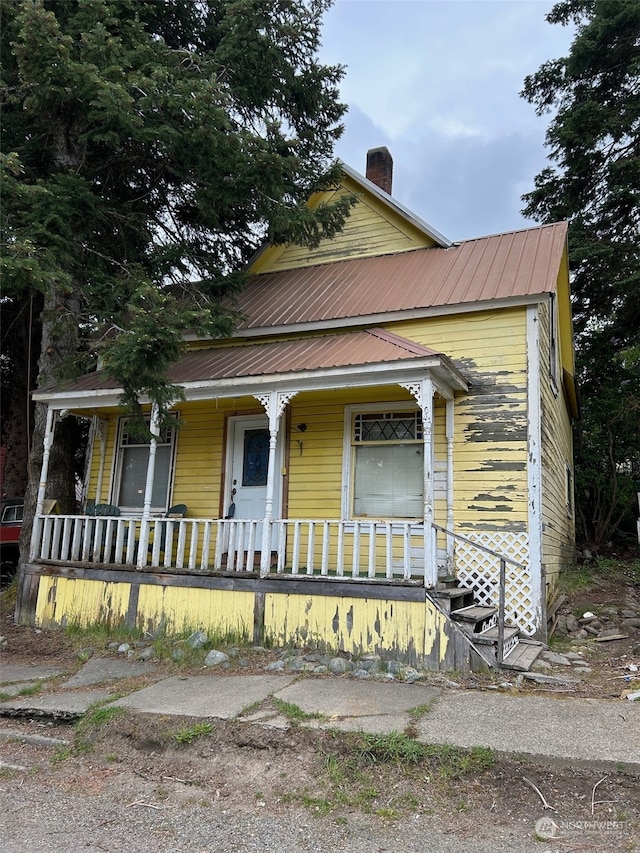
(380, 774)
(97, 717)
(294, 713)
(31, 690)
(192, 732)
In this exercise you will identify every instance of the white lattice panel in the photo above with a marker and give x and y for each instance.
(481, 572)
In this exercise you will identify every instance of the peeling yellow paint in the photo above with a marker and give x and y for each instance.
(179, 609)
(72, 601)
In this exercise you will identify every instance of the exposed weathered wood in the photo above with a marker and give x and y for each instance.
(250, 582)
(27, 596)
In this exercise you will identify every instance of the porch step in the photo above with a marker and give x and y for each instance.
(523, 655)
(490, 636)
(475, 614)
(451, 599)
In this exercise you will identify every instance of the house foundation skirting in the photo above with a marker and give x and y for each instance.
(393, 619)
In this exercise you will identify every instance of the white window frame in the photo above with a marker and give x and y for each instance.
(554, 358)
(569, 489)
(117, 468)
(349, 456)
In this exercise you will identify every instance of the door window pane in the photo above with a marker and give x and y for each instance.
(256, 457)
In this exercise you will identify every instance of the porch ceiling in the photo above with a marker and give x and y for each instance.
(371, 356)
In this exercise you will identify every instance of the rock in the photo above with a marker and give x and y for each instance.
(410, 675)
(586, 617)
(373, 664)
(361, 673)
(394, 667)
(610, 611)
(146, 654)
(243, 662)
(633, 697)
(320, 669)
(177, 654)
(539, 678)
(591, 629)
(574, 657)
(197, 640)
(214, 658)
(572, 623)
(629, 614)
(553, 657)
(561, 627)
(123, 648)
(631, 623)
(275, 666)
(583, 670)
(540, 663)
(338, 666)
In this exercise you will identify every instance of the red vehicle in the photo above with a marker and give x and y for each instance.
(10, 528)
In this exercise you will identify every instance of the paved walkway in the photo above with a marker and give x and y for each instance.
(572, 730)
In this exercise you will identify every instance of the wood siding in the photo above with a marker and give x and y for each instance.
(371, 229)
(490, 456)
(558, 526)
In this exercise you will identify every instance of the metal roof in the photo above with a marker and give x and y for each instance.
(501, 267)
(236, 366)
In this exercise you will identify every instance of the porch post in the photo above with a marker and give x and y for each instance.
(423, 392)
(449, 431)
(37, 521)
(148, 487)
(430, 556)
(274, 405)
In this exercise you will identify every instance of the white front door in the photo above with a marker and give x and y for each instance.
(247, 485)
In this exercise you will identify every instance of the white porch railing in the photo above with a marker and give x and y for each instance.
(375, 550)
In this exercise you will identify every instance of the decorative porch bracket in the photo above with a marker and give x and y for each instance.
(423, 392)
(274, 405)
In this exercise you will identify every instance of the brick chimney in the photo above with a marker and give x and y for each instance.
(380, 168)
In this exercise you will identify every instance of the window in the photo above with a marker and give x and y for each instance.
(388, 471)
(133, 458)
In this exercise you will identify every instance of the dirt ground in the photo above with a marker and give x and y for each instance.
(156, 763)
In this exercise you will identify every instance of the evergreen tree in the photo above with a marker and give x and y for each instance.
(594, 182)
(149, 148)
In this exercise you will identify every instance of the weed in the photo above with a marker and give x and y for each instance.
(387, 813)
(294, 713)
(100, 715)
(4, 696)
(576, 578)
(194, 731)
(391, 748)
(319, 805)
(419, 710)
(31, 690)
(61, 754)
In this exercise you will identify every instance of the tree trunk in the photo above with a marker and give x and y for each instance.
(57, 358)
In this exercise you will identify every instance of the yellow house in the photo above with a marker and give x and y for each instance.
(379, 460)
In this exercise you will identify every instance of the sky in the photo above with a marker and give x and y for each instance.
(438, 83)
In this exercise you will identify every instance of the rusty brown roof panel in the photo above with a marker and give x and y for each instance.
(516, 264)
(370, 346)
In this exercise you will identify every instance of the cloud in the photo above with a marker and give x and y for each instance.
(438, 82)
